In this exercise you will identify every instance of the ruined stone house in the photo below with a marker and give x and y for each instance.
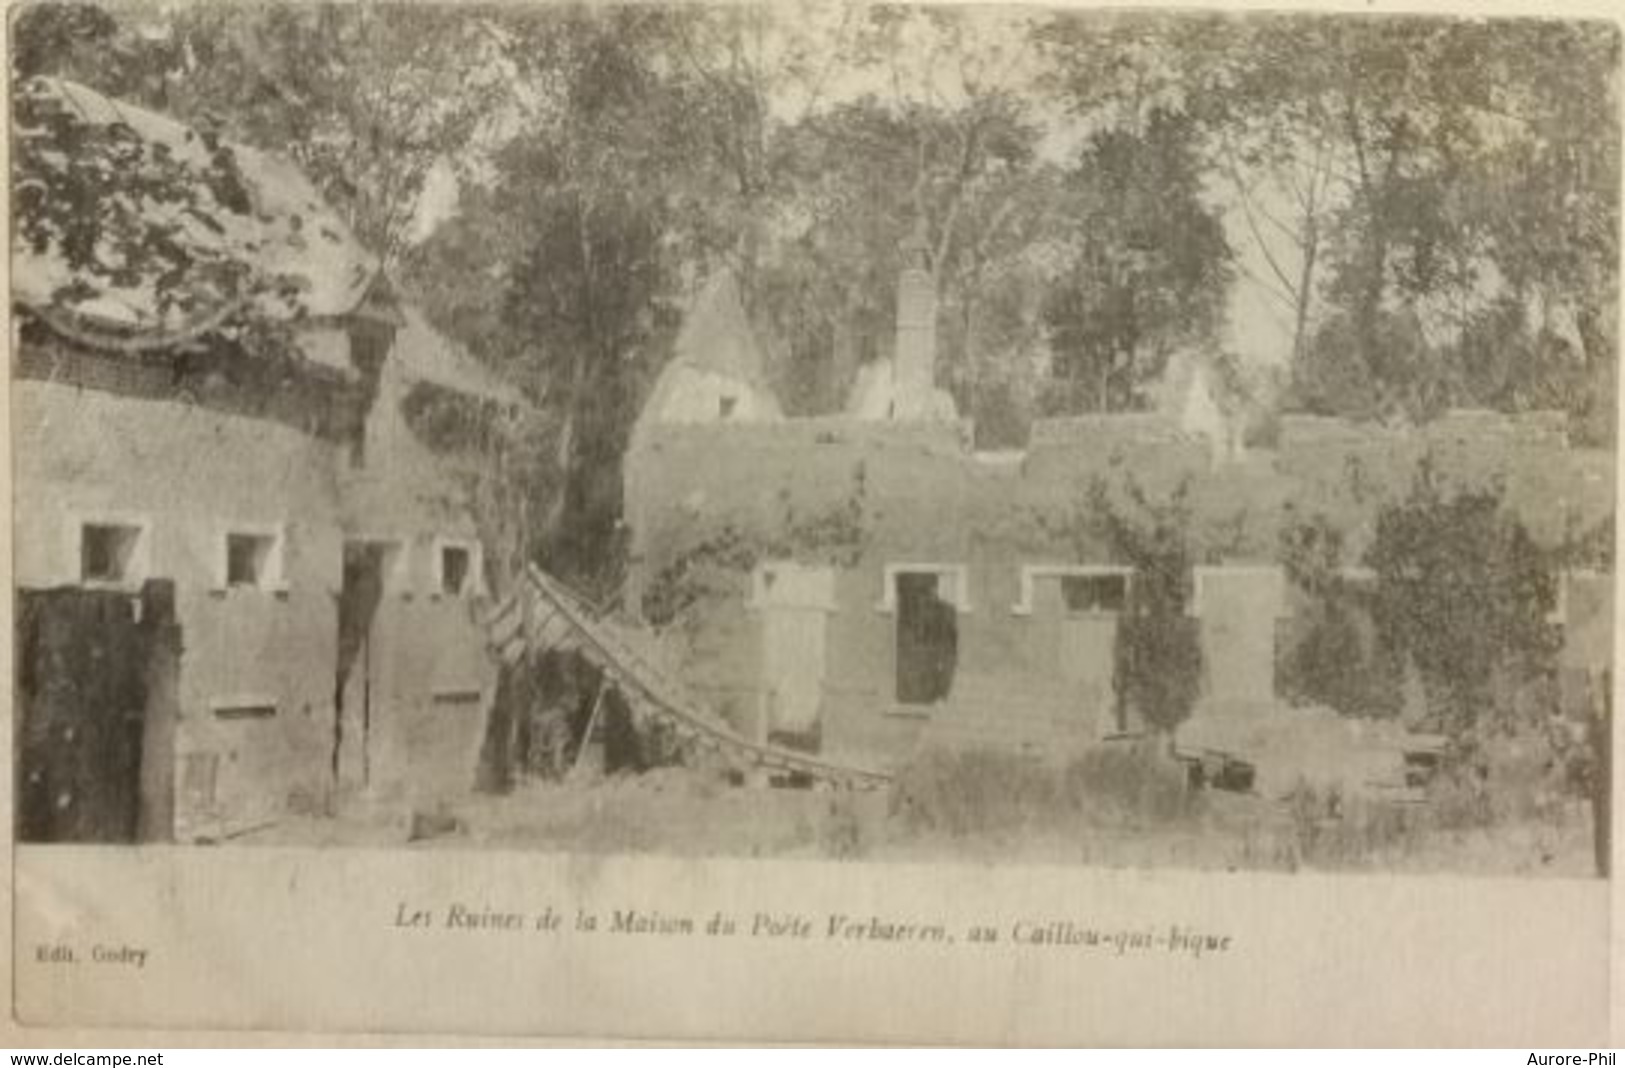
(866, 583)
(280, 564)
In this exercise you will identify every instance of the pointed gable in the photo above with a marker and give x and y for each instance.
(716, 372)
(1194, 396)
(717, 337)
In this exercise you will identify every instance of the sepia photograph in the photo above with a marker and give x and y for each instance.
(1148, 440)
(1115, 438)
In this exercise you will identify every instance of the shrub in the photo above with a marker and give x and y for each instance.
(1334, 654)
(1158, 665)
(1158, 649)
(1464, 592)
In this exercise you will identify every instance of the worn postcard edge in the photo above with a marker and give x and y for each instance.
(1266, 889)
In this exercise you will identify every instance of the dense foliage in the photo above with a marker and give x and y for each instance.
(709, 564)
(1466, 594)
(1335, 654)
(1158, 652)
(170, 230)
(1369, 217)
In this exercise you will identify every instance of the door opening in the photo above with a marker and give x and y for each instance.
(355, 685)
(927, 638)
(794, 601)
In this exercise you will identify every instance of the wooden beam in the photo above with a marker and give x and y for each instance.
(592, 721)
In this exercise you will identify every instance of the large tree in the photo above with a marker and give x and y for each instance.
(368, 100)
(1446, 234)
(1150, 266)
(564, 262)
(1431, 203)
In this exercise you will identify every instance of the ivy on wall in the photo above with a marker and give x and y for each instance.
(449, 422)
(499, 460)
(1464, 591)
(713, 565)
(1334, 654)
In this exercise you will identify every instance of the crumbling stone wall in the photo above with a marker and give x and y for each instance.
(928, 499)
(254, 736)
(192, 474)
(436, 678)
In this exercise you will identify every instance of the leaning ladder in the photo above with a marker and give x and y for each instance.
(542, 613)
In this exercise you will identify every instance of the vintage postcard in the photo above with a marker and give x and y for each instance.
(814, 522)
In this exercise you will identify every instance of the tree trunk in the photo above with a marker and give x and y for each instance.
(1306, 280)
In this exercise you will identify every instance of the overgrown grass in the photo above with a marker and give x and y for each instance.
(973, 792)
(1130, 786)
(844, 833)
(1332, 831)
(1500, 783)
(1131, 806)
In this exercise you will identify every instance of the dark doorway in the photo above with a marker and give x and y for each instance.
(83, 660)
(927, 639)
(354, 689)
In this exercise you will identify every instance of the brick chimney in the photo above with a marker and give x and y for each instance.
(914, 361)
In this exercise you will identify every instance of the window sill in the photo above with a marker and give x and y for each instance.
(457, 695)
(130, 586)
(241, 707)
